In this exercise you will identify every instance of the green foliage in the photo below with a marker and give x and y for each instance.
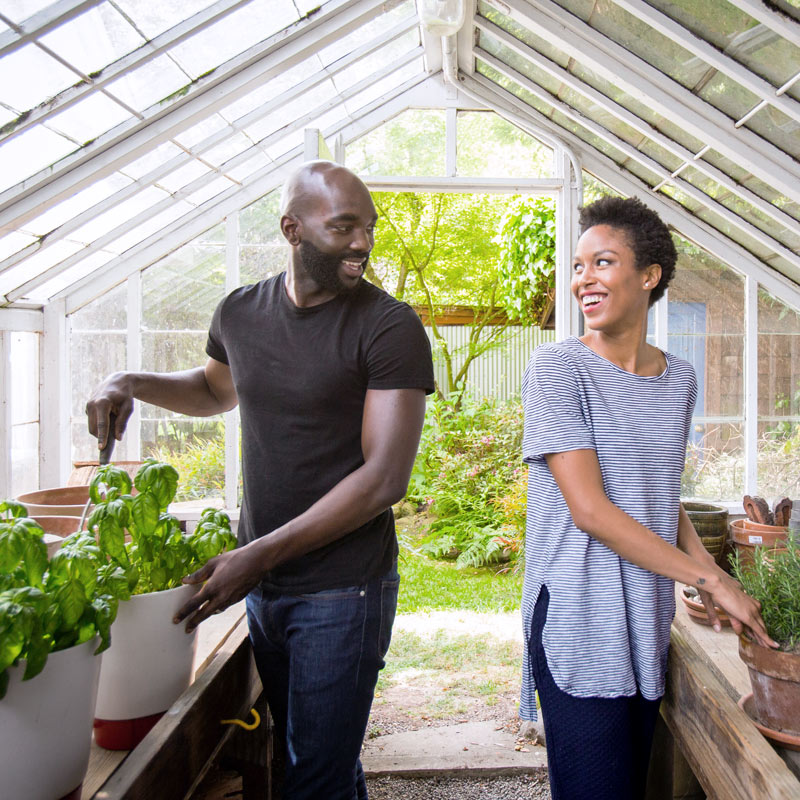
(437, 250)
(773, 579)
(200, 465)
(135, 534)
(467, 464)
(434, 585)
(527, 241)
(50, 605)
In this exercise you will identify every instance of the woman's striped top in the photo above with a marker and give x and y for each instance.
(608, 623)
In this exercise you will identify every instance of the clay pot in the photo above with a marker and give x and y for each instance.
(56, 529)
(775, 678)
(62, 501)
(711, 524)
(697, 611)
(748, 535)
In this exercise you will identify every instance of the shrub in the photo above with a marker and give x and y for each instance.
(465, 473)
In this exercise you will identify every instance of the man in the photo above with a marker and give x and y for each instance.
(330, 374)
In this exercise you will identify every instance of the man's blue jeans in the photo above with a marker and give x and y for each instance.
(318, 656)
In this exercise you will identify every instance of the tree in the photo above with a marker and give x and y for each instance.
(437, 250)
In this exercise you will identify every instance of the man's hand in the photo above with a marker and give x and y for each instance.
(228, 578)
(113, 396)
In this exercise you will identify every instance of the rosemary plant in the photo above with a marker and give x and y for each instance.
(773, 578)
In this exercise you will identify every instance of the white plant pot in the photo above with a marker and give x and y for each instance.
(146, 669)
(46, 726)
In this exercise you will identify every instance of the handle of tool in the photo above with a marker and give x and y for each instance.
(105, 453)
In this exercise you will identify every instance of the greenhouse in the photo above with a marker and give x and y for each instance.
(144, 146)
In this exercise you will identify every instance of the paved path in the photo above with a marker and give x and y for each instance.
(468, 748)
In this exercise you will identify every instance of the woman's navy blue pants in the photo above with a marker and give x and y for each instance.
(598, 748)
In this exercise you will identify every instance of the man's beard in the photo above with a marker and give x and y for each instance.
(323, 268)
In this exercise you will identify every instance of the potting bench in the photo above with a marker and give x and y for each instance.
(173, 758)
(730, 757)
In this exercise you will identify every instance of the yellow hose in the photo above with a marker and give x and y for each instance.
(248, 726)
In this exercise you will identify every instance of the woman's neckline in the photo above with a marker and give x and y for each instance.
(621, 369)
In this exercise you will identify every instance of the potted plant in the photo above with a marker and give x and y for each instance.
(149, 663)
(55, 617)
(773, 578)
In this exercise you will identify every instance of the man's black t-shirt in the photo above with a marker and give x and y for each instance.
(301, 376)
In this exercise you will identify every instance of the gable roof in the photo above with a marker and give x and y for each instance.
(128, 129)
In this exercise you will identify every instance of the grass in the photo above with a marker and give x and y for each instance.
(456, 670)
(431, 585)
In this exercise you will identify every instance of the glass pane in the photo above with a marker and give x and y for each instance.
(34, 149)
(194, 446)
(29, 76)
(108, 312)
(778, 398)
(93, 356)
(148, 84)
(706, 328)
(24, 458)
(259, 223)
(490, 146)
(715, 463)
(180, 293)
(94, 39)
(258, 262)
(232, 35)
(410, 144)
(25, 386)
(89, 118)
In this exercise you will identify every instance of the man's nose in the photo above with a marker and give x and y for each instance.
(361, 240)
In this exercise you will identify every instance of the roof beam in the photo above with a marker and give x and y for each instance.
(629, 118)
(712, 56)
(651, 87)
(137, 58)
(186, 191)
(675, 215)
(631, 152)
(41, 23)
(217, 208)
(184, 157)
(785, 26)
(164, 120)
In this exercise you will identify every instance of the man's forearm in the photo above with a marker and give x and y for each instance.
(184, 392)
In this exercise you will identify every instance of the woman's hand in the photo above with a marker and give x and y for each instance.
(743, 611)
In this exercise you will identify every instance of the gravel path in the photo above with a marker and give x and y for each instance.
(506, 787)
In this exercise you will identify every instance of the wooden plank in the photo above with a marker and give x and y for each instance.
(730, 758)
(169, 760)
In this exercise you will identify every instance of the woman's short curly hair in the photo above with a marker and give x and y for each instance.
(648, 236)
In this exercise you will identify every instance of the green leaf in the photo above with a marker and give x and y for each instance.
(159, 479)
(11, 509)
(107, 478)
(145, 513)
(71, 599)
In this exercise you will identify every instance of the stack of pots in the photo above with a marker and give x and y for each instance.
(711, 524)
(747, 535)
(58, 511)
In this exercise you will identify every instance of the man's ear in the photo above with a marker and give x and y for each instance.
(291, 229)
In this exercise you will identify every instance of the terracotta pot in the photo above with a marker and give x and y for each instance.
(748, 535)
(84, 471)
(46, 726)
(697, 611)
(775, 678)
(56, 529)
(711, 524)
(146, 669)
(62, 501)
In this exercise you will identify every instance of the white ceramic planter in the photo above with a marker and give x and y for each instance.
(147, 667)
(46, 726)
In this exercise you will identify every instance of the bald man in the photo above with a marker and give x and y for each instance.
(330, 374)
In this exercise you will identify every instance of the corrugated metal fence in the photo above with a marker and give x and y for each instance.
(498, 372)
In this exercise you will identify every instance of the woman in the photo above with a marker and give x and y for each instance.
(606, 424)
